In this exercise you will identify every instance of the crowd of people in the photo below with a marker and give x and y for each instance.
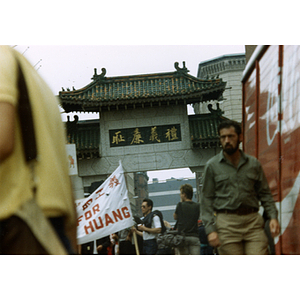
(39, 217)
(147, 228)
(234, 187)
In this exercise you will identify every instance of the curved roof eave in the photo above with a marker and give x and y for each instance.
(142, 89)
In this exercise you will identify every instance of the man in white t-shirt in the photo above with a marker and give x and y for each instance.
(150, 228)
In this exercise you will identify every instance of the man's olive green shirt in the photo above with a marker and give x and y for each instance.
(228, 187)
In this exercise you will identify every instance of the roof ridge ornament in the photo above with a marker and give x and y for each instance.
(181, 70)
(216, 112)
(100, 76)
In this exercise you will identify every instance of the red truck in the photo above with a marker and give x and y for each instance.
(271, 131)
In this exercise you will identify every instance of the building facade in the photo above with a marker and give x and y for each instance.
(230, 68)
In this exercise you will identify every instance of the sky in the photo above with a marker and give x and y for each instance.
(73, 65)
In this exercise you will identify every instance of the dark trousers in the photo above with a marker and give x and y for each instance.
(206, 250)
(149, 247)
(126, 248)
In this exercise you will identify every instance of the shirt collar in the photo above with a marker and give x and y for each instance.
(243, 156)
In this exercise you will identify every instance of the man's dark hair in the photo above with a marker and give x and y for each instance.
(149, 202)
(228, 124)
(187, 189)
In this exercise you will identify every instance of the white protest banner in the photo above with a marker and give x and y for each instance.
(106, 211)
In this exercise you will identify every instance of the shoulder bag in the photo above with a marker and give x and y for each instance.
(171, 238)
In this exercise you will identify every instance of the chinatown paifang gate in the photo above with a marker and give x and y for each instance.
(143, 122)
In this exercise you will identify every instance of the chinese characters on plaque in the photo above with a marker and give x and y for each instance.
(144, 135)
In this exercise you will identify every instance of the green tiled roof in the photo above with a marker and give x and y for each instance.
(204, 130)
(86, 136)
(126, 92)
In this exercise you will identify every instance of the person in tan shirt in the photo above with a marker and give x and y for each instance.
(54, 191)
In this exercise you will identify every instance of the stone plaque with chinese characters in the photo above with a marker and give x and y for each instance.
(144, 135)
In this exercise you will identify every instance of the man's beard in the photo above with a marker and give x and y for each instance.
(230, 150)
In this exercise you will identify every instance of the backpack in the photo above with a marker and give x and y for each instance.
(147, 221)
(161, 218)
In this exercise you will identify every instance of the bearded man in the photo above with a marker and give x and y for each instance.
(234, 186)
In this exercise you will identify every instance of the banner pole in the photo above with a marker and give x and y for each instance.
(136, 244)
